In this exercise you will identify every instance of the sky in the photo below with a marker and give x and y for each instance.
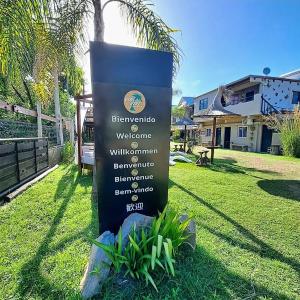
(221, 40)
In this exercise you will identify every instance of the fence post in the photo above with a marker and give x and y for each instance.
(72, 138)
(59, 125)
(39, 119)
(47, 145)
(78, 135)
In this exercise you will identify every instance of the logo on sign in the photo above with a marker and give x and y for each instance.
(134, 102)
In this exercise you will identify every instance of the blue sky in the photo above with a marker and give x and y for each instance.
(223, 40)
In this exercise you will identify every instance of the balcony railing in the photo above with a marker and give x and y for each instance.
(235, 101)
(267, 108)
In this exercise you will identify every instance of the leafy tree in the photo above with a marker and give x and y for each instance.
(38, 41)
(178, 111)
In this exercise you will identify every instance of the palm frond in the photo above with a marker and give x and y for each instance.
(150, 30)
(39, 35)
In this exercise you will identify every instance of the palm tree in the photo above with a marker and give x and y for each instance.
(39, 39)
(149, 29)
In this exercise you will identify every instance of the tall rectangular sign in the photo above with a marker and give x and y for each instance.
(132, 91)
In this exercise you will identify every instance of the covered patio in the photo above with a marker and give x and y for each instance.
(215, 111)
(85, 147)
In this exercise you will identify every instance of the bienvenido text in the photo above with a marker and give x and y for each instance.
(134, 165)
(118, 119)
(133, 178)
(124, 136)
(114, 152)
(134, 191)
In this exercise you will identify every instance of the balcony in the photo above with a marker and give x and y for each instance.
(245, 106)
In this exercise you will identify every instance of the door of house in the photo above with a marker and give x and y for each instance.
(266, 138)
(227, 134)
(181, 134)
(218, 136)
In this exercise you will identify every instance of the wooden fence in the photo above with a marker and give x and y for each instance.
(21, 159)
(69, 123)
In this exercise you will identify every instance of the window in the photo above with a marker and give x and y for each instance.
(208, 132)
(249, 96)
(235, 99)
(242, 132)
(223, 102)
(296, 97)
(203, 103)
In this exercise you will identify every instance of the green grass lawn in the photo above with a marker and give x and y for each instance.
(246, 207)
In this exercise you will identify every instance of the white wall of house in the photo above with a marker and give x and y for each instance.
(210, 96)
(276, 139)
(279, 92)
(250, 108)
(252, 140)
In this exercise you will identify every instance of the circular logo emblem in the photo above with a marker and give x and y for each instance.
(134, 128)
(134, 102)
(134, 185)
(134, 145)
(134, 172)
(134, 159)
(134, 198)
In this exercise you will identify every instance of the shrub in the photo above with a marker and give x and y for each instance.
(288, 126)
(68, 152)
(149, 249)
(176, 134)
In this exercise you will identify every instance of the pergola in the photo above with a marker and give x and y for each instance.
(215, 111)
(80, 99)
(184, 122)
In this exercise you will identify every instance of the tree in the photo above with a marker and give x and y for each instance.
(38, 40)
(149, 29)
(178, 111)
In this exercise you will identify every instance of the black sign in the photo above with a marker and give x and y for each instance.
(132, 91)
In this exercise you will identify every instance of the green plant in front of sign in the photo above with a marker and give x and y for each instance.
(148, 249)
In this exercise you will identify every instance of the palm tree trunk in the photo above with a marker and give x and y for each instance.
(59, 127)
(98, 21)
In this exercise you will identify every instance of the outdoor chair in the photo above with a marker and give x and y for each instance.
(203, 160)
